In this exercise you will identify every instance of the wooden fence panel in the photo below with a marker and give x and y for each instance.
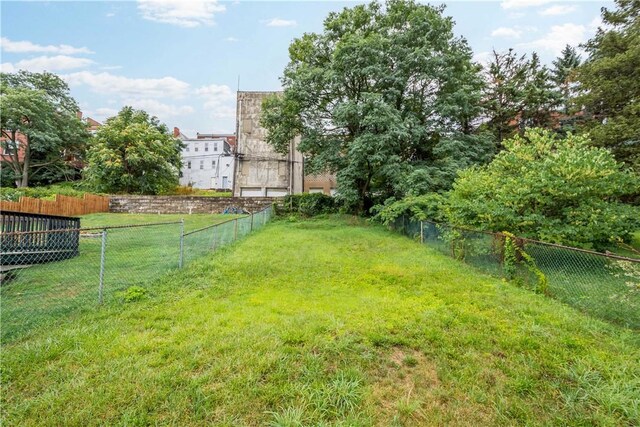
(62, 205)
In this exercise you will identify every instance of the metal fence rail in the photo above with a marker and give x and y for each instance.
(603, 285)
(111, 260)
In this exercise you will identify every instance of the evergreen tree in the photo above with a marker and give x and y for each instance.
(563, 75)
(610, 83)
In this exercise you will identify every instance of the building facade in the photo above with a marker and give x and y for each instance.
(260, 170)
(207, 162)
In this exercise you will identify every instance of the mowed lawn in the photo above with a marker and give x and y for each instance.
(327, 322)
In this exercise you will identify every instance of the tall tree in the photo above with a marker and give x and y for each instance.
(610, 83)
(380, 97)
(39, 125)
(133, 153)
(519, 93)
(563, 75)
(505, 76)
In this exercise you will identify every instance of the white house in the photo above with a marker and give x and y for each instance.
(207, 162)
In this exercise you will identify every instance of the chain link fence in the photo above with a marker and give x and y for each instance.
(603, 285)
(50, 275)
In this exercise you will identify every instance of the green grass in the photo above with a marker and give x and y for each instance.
(191, 222)
(326, 322)
(36, 296)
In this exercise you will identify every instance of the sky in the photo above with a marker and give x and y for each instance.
(183, 61)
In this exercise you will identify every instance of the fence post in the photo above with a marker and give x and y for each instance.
(102, 259)
(181, 243)
(264, 217)
(421, 232)
(251, 222)
(235, 230)
(213, 245)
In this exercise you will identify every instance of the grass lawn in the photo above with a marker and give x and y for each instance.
(191, 222)
(326, 322)
(38, 295)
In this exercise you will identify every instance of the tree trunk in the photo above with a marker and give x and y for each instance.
(25, 164)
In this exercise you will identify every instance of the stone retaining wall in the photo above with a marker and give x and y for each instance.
(185, 204)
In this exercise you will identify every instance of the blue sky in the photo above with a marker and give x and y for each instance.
(181, 60)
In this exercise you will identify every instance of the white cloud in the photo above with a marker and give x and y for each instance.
(278, 22)
(558, 37)
(520, 4)
(231, 39)
(181, 13)
(110, 15)
(506, 32)
(557, 9)
(106, 112)
(7, 67)
(483, 58)
(132, 87)
(111, 67)
(47, 63)
(219, 100)
(157, 108)
(29, 47)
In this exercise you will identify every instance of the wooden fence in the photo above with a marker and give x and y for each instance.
(62, 205)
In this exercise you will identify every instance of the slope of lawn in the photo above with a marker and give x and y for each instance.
(326, 322)
(191, 222)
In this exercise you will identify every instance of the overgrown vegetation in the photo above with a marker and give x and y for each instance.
(326, 322)
(73, 189)
(307, 205)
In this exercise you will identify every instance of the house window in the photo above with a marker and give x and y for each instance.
(206, 146)
(5, 149)
(213, 163)
(188, 165)
(186, 147)
(215, 146)
(195, 147)
(201, 164)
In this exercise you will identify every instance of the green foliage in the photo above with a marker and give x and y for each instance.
(308, 204)
(564, 74)
(133, 153)
(133, 293)
(519, 93)
(514, 254)
(427, 207)
(547, 188)
(610, 83)
(384, 97)
(43, 136)
(48, 192)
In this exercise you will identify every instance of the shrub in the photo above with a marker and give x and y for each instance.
(308, 204)
(427, 207)
(543, 187)
(48, 192)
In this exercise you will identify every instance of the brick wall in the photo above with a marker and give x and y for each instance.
(185, 204)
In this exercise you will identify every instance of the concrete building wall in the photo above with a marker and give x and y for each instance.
(260, 171)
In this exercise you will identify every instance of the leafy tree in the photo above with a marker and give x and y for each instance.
(610, 81)
(383, 96)
(557, 190)
(563, 74)
(40, 126)
(133, 153)
(519, 93)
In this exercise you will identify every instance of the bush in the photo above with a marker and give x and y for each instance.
(543, 187)
(427, 207)
(49, 192)
(308, 204)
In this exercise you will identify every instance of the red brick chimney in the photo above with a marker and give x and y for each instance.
(176, 132)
